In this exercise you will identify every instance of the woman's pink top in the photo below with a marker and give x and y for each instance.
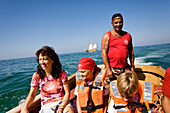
(51, 89)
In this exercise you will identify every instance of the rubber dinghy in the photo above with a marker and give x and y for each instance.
(144, 72)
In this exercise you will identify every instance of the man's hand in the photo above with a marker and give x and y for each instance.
(132, 69)
(109, 77)
(109, 73)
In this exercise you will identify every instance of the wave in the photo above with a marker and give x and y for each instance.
(141, 61)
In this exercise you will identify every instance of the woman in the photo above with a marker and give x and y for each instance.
(52, 82)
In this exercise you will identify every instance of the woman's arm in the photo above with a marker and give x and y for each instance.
(30, 98)
(65, 98)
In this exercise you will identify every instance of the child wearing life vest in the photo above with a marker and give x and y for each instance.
(91, 95)
(130, 95)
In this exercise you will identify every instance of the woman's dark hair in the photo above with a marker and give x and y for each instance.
(56, 66)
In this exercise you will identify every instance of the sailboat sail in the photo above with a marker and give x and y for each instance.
(92, 47)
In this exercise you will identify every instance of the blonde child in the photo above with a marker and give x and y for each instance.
(128, 94)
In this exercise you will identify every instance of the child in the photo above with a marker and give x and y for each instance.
(91, 95)
(129, 94)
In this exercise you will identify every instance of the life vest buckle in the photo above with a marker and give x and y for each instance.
(98, 83)
(89, 107)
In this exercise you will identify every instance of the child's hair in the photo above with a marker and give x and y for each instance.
(127, 83)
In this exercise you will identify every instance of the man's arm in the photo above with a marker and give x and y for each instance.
(131, 53)
(105, 48)
(166, 104)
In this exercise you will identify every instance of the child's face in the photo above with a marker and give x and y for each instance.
(128, 98)
(86, 74)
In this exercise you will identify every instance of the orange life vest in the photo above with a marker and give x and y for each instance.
(91, 97)
(146, 93)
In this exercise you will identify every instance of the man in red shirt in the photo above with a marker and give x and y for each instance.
(116, 48)
(166, 91)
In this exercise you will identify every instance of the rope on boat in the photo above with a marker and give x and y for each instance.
(158, 102)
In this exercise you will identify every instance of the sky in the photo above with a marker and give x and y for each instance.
(70, 25)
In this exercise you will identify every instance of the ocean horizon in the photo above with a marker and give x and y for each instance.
(16, 74)
(81, 51)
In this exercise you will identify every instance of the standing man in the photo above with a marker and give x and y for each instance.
(116, 48)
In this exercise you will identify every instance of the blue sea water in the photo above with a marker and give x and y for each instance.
(16, 74)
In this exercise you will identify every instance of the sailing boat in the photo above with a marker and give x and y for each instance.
(92, 47)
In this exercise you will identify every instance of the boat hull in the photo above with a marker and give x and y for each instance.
(144, 72)
(91, 50)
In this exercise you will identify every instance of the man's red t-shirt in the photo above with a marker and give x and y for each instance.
(118, 50)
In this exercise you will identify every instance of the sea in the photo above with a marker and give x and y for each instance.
(16, 74)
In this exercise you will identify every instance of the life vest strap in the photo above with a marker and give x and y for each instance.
(93, 107)
(135, 105)
(119, 106)
(141, 107)
(90, 105)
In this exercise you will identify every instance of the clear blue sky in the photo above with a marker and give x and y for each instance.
(68, 25)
